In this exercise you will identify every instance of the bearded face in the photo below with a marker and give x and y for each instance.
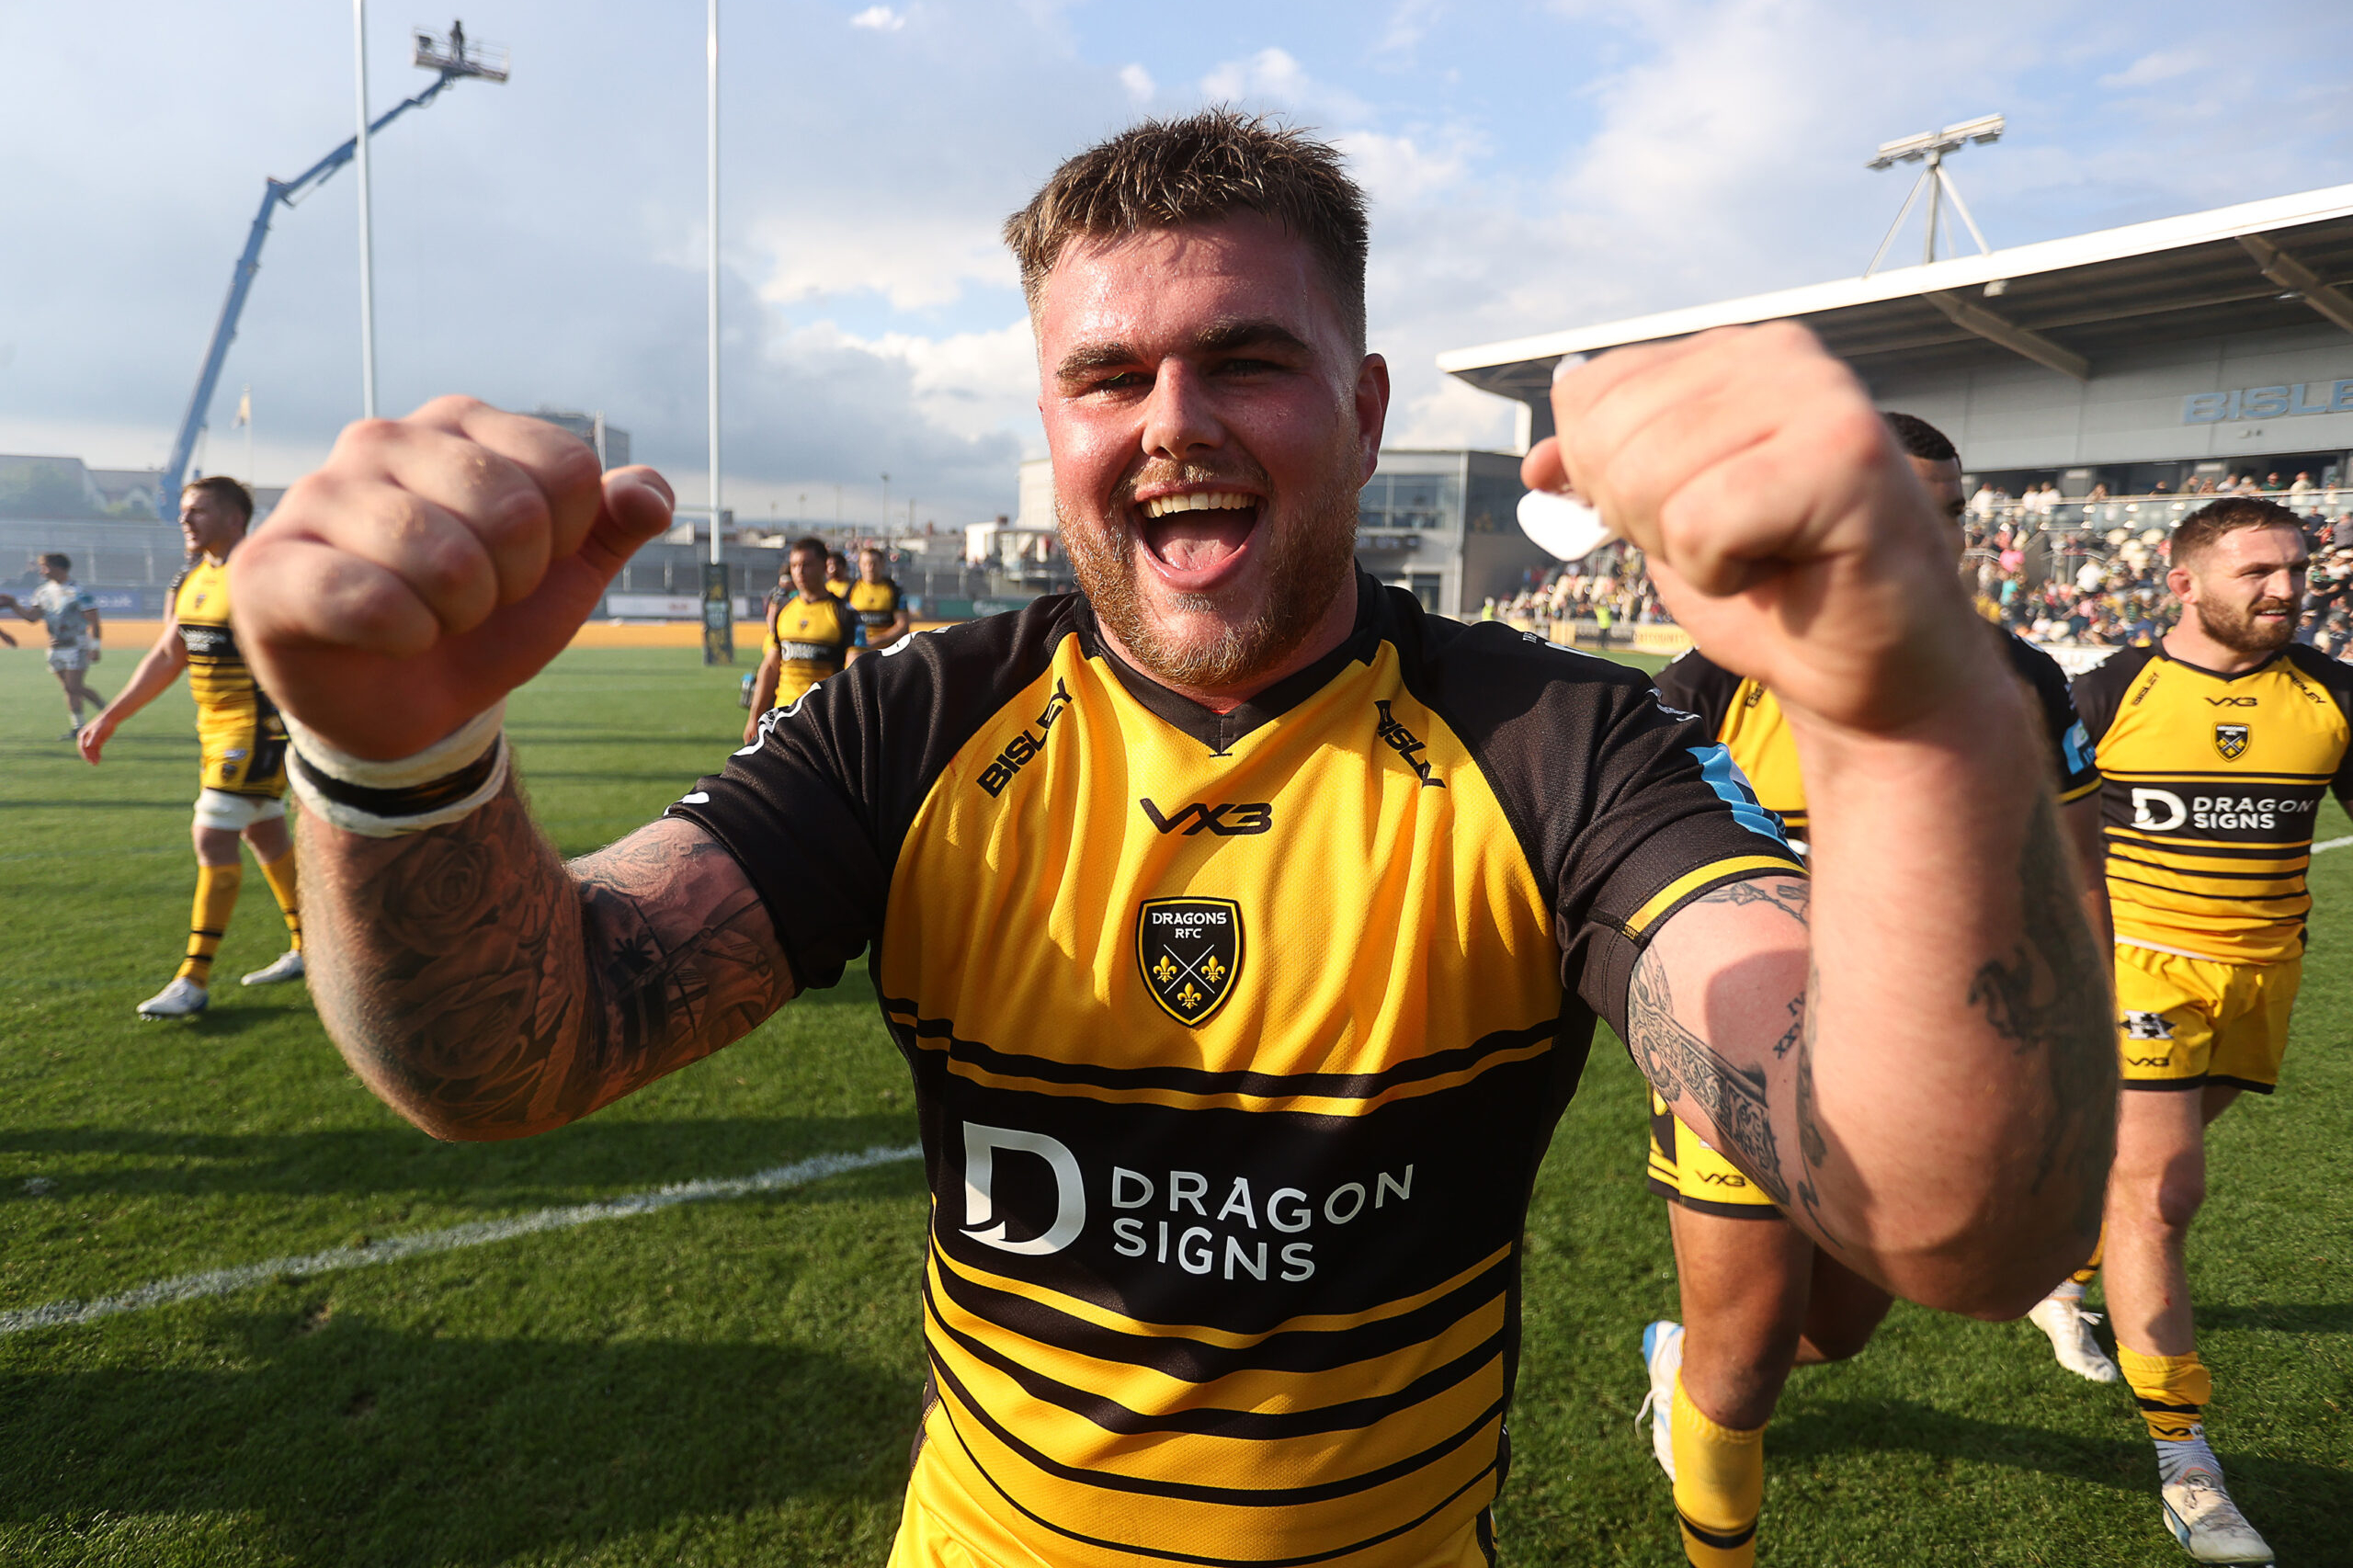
(1197, 639)
(1213, 421)
(2248, 588)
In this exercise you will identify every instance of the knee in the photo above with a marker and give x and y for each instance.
(2180, 1193)
(2164, 1198)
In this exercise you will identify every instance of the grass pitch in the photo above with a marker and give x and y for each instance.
(735, 1382)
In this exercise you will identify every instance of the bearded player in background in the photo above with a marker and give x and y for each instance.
(1238, 864)
(2216, 746)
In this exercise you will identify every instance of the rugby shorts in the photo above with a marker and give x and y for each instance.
(1685, 1170)
(249, 760)
(2185, 1022)
(71, 658)
(235, 814)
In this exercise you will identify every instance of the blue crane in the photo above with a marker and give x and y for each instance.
(452, 60)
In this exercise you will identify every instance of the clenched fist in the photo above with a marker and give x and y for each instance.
(433, 565)
(1783, 526)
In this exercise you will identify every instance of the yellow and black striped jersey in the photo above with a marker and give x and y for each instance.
(217, 675)
(1237, 1039)
(876, 604)
(811, 639)
(2212, 785)
(1747, 718)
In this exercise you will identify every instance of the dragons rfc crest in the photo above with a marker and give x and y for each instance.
(1189, 951)
(2231, 740)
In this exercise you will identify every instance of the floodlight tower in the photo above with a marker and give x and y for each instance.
(1931, 147)
(457, 57)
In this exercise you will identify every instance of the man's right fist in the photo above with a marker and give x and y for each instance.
(433, 565)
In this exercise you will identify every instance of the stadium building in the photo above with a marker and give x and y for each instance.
(2150, 356)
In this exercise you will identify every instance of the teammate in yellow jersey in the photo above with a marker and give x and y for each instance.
(875, 600)
(808, 637)
(1244, 927)
(838, 575)
(2216, 747)
(242, 774)
(1758, 1297)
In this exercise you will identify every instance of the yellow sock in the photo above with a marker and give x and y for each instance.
(216, 899)
(1718, 1486)
(2174, 1392)
(2090, 1269)
(281, 873)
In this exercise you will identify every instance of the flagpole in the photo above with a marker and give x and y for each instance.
(366, 240)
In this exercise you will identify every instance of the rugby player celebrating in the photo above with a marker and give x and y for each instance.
(1242, 926)
(1759, 1298)
(2216, 747)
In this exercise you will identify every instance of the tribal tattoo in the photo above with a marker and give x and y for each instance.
(1678, 1063)
(2026, 1000)
(493, 990)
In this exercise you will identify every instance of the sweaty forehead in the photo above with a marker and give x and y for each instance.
(1156, 290)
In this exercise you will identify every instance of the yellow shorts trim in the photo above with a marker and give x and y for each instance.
(1684, 1169)
(2186, 1022)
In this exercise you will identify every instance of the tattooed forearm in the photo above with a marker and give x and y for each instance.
(1813, 1148)
(489, 990)
(2039, 998)
(1678, 1063)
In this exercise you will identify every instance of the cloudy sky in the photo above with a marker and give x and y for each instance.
(1534, 163)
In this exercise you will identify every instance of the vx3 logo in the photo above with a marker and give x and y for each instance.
(2234, 702)
(1227, 821)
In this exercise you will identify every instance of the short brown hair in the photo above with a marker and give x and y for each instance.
(226, 491)
(809, 543)
(2200, 529)
(1162, 174)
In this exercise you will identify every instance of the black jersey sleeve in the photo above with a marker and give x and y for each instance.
(815, 810)
(2336, 679)
(1694, 683)
(2070, 738)
(2098, 692)
(1628, 809)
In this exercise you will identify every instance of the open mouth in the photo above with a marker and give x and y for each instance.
(1195, 540)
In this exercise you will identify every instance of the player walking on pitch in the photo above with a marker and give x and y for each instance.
(75, 629)
(808, 637)
(2216, 747)
(242, 774)
(1242, 926)
(1758, 1296)
(875, 600)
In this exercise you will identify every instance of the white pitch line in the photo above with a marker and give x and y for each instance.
(2331, 844)
(393, 1249)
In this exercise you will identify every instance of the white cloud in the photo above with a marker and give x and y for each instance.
(971, 384)
(1139, 84)
(1274, 78)
(1452, 413)
(2161, 67)
(916, 257)
(1400, 169)
(880, 18)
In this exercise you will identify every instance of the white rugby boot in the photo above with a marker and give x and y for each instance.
(287, 966)
(183, 998)
(1662, 1359)
(2062, 1318)
(2199, 1509)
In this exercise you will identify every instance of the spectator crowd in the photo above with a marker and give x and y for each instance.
(2079, 573)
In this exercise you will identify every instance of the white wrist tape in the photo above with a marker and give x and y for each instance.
(447, 781)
